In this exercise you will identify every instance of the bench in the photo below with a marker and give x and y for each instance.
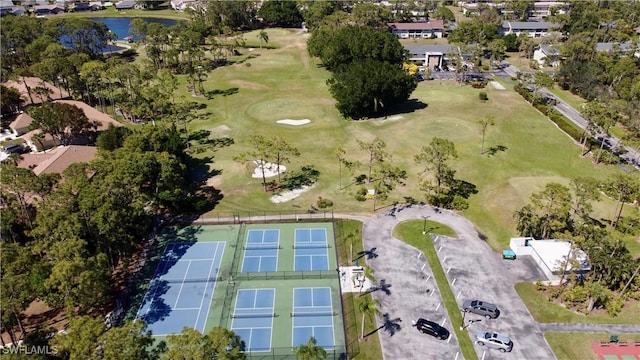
(604, 343)
(622, 343)
(636, 343)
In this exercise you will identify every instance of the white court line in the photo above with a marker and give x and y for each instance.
(210, 259)
(182, 285)
(251, 328)
(195, 308)
(204, 293)
(159, 270)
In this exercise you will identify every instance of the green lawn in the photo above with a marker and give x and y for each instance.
(112, 12)
(411, 233)
(348, 236)
(573, 345)
(284, 83)
(545, 311)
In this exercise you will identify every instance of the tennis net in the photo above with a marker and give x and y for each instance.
(311, 246)
(313, 313)
(249, 315)
(187, 280)
(261, 247)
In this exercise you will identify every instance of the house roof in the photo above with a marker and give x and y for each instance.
(549, 50)
(125, 4)
(430, 25)
(624, 47)
(58, 159)
(29, 136)
(6, 4)
(529, 25)
(423, 49)
(33, 82)
(554, 253)
(103, 120)
(21, 121)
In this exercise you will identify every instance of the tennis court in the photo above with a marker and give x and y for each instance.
(313, 316)
(311, 250)
(261, 251)
(253, 318)
(182, 287)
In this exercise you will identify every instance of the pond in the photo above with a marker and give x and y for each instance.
(120, 25)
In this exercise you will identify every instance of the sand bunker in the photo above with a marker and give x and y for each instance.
(294, 122)
(289, 195)
(496, 85)
(270, 169)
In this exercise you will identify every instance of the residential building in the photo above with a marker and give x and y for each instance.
(59, 159)
(422, 30)
(534, 29)
(20, 125)
(624, 48)
(26, 87)
(542, 9)
(547, 55)
(127, 5)
(182, 5)
(44, 10)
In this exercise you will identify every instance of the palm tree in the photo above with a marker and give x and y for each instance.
(368, 306)
(263, 36)
(368, 274)
(310, 351)
(484, 124)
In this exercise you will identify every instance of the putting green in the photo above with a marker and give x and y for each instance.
(285, 108)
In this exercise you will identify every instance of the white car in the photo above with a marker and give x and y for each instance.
(494, 340)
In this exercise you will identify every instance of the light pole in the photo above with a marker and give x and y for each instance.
(424, 225)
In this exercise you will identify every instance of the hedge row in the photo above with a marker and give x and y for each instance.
(562, 121)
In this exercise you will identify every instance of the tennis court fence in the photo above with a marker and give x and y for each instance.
(239, 217)
(283, 275)
(288, 353)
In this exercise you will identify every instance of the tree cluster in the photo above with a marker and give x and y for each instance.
(367, 69)
(62, 240)
(566, 213)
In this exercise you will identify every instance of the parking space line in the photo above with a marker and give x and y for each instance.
(453, 282)
(443, 321)
(457, 353)
(418, 257)
(423, 266)
(438, 307)
(439, 248)
(428, 277)
(483, 354)
(459, 292)
(449, 269)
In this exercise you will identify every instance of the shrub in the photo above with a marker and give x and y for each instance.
(540, 286)
(614, 305)
(323, 203)
(359, 197)
(362, 191)
(483, 96)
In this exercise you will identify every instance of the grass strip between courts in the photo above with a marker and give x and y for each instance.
(411, 233)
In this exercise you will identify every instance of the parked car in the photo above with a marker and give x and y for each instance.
(494, 340)
(14, 149)
(433, 329)
(485, 309)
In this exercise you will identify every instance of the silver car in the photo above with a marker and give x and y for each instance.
(494, 340)
(485, 309)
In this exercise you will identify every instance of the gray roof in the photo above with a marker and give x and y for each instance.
(529, 25)
(423, 49)
(6, 4)
(624, 47)
(549, 49)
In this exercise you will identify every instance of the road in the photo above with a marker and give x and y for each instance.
(629, 155)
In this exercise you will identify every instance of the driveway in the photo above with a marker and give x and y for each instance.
(474, 269)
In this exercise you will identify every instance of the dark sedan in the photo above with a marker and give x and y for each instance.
(433, 329)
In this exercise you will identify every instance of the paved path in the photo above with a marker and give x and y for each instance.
(606, 328)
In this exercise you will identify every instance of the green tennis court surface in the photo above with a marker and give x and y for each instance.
(274, 285)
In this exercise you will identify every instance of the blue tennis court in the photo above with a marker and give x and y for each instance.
(182, 288)
(313, 316)
(253, 318)
(311, 250)
(261, 251)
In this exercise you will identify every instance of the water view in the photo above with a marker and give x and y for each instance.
(120, 25)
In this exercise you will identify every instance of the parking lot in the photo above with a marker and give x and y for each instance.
(412, 294)
(474, 270)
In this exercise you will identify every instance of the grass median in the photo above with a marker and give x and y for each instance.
(348, 242)
(411, 233)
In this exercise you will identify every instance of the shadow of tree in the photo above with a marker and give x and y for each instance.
(392, 326)
(370, 254)
(495, 149)
(224, 92)
(382, 286)
(463, 188)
